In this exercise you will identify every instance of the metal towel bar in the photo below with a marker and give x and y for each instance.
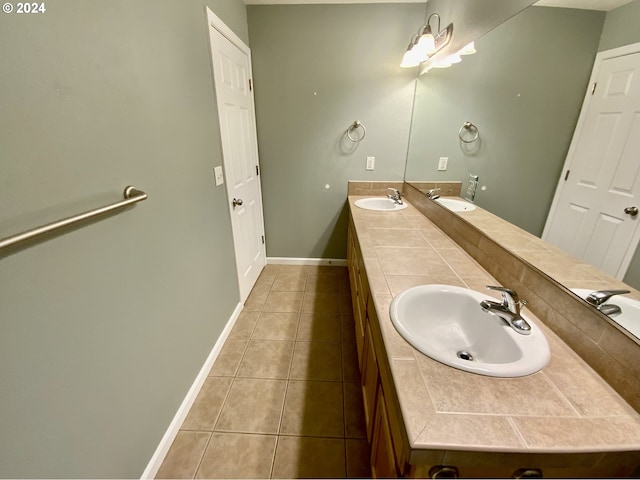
(131, 195)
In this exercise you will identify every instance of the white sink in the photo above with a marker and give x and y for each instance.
(628, 318)
(447, 324)
(455, 204)
(379, 204)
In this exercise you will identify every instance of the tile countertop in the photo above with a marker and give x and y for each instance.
(564, 408)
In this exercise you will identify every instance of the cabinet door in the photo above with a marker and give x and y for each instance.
(369, 381)
(383, 461)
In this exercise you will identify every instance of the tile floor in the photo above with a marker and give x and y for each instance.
(283, 398)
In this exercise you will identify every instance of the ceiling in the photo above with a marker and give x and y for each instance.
(605, 5)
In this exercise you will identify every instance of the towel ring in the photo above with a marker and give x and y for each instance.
(469, 126)
(353, 127)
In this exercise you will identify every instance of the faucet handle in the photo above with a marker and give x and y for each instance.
(598, 297)
(510, 298)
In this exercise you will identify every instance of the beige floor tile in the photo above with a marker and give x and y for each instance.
(252, 406)
(358, 458)
(226, 365)
(257, 297)
(317, 361)
(289, 283)
(293, 269)
(308, 457)
(323, 283)
(319, 327)
(267, 359)
(206, 408)
(283, 302)
(313, 408)
(276, 326)
(238, 455)
(354, 422)
(244, 326)
(350, 368)
(184, 455)
(321, 303)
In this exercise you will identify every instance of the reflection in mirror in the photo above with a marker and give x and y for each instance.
(523, 91)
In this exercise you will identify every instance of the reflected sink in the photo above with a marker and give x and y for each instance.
(381, 204)
(447, 324)
(455, 204)
(628, 318)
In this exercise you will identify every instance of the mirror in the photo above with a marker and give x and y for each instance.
(523, 90)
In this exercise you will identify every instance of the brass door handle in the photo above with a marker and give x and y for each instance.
(237, 202)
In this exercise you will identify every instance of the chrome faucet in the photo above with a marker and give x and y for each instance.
(508, 310)
(599, 297)
(433, 193)
(394, 194)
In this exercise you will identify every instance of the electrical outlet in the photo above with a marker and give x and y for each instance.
(217, 171)
(371, 161)
(442, 163)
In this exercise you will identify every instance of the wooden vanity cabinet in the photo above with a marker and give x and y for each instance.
(383, 423)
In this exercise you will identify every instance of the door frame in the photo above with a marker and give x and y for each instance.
(597, 64)
(214, 21)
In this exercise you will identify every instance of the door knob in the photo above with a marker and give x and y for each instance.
(633, 211)
(238, 201)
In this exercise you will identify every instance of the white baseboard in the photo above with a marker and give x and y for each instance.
(156, 460)
(333, 262)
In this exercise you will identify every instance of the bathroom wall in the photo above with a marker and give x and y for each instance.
(317, 69)
(621, 27)
(104, 327)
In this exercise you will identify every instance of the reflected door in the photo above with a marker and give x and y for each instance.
(594, 216)
(232, 77)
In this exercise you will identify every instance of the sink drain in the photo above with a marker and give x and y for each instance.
(464, 355)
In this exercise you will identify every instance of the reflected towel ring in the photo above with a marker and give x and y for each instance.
(354, 126)
(469, 126)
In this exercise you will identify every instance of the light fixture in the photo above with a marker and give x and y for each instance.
(468, 49)
(411, 57)
(425, 44)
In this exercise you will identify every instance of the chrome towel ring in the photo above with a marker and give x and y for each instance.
(469, 126)
(354, 126)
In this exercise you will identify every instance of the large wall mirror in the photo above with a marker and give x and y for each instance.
(523, 90)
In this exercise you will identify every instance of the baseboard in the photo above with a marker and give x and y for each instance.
(156, 460)
(333, 262)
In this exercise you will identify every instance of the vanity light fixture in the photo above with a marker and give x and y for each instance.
(468, 49)
(425, 44)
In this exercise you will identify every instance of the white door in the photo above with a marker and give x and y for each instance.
(232, 76)
(594, 215)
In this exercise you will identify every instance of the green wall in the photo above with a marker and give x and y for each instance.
(103, 328)
(621, 27)
(523, 90)
(317, 69)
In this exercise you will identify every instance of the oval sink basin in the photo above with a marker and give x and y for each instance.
(629, 316)
(447, 324)
(456, 205)
(382, 204)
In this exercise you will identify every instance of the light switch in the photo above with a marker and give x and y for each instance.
(217, 171)
(442, 163)
(371, 161)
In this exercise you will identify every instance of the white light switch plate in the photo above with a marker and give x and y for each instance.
(371, 162)
(217, 171)
(442, 163)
